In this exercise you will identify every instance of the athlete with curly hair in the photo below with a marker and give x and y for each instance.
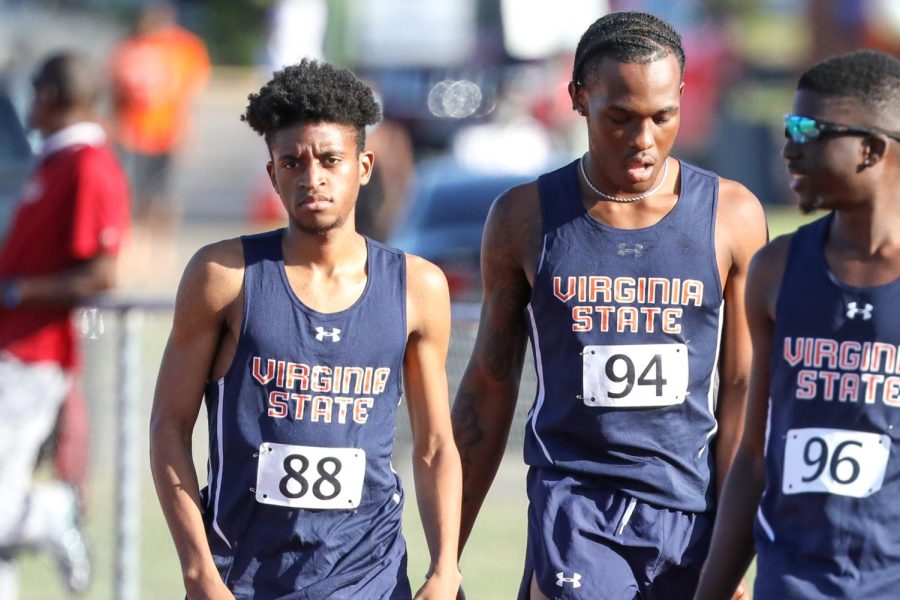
(302, 341)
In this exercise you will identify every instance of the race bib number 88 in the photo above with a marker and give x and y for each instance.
(309, 476)
(834, 461)
(634, 376)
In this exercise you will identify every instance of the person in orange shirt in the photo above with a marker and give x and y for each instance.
(155, 74)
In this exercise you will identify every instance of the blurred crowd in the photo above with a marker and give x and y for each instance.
(482, 82)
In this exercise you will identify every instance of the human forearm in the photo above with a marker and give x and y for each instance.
(437, 476)
(438, 492)
(730, 417)
(480, 431)
(62, 289)
(179, 496)
(486, 399)
(731, 550)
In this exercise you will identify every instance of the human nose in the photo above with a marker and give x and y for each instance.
(791, 149)
(643, 136)
(312, 175)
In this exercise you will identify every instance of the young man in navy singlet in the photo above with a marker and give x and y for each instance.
(302, 340)
(816, 479)
(616, 267)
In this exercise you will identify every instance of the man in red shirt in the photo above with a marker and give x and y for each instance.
(60, 250)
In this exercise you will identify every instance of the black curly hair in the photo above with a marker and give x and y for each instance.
(628, 37)
(871, 77)
(308, 92)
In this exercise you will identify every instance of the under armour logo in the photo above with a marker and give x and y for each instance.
(625, 250)
(853, 310)
(92, 323)
(334, 335)
(575, 579)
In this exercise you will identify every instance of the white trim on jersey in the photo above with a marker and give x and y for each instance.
(539, 370)
(712, 396)
(765, 524)
(215, 522)
(759, 511)
(543, 254)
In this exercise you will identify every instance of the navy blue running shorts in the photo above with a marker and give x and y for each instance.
(588, 541)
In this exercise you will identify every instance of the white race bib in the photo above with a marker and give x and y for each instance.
(634, 376)
(834, 461)
(310, 476)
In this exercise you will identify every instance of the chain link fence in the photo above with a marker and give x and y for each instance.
(123, 341)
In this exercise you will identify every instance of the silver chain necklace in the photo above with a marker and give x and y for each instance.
(665, 173)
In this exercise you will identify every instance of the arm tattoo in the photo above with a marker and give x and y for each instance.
(504, 346)
(467, 431)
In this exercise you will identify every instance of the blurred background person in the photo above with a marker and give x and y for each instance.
(156, 73)
(384, 197)
(60, 250)
(296, 30)
(496, 145)
(881, 26)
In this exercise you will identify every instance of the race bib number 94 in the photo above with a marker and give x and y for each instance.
(834, 461)
(310, 477)
(634, 376)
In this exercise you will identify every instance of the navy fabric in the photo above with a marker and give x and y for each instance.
(596, 285)
(586, 540)
(305, 378)
(834, 366)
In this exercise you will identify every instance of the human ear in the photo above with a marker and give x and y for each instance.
(366, 164)
(873, 149)
(270, 169)
(577, 105)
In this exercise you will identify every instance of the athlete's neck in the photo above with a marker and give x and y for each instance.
(331, 250)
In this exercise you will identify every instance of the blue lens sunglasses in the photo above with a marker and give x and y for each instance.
(802, 130)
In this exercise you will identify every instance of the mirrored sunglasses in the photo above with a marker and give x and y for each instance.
(802, 130)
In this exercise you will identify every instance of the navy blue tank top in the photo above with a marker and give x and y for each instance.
(302, 498)
(625, 329)
(832, 500)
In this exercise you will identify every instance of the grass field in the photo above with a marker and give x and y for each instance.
(491, 566)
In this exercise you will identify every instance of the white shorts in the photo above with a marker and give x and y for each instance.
(30, 397)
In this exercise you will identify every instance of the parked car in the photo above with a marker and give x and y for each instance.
(15, 158)
(445, 221)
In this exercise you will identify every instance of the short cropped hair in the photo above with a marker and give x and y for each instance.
(74, 79)
(869, 76)
(312, 92)
(628, 37)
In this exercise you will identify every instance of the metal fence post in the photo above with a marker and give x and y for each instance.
(128, 462)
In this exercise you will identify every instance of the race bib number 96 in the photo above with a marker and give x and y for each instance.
(634, 376)
(834, 461)
(310, 477)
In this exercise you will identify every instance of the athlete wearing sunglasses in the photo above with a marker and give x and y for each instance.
(814, 485)
(802, 130)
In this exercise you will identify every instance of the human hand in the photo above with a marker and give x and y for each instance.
(212, 588)
(441, 586)
(741, 592)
